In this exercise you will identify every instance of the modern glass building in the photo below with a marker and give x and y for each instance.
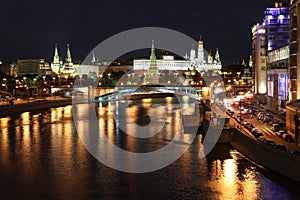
(277, 21)
(268, 40)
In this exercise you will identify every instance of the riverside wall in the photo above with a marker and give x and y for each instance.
(31, 106)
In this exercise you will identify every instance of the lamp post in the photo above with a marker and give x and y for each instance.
(53, 81)
(58, 80)
(128, 79)
(133, 80)
(4, 84)
(44, 93)
(175, 74)
(34, 87)
(238, 73)
(109, 74)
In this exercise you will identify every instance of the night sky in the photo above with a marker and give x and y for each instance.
(29, 29)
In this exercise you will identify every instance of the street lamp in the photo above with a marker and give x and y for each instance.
(34, 86)
(44, 78)
(176, 74)
(58, 80)
(54, 81)
(238, 73)
(4, 84)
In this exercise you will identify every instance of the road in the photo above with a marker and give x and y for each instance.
(266, 130)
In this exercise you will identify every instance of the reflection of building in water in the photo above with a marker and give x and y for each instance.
(203, 61)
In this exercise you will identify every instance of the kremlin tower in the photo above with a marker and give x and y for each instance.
(57, 63)
(153, 70)
(203, 62)
(201, 59)
(67, 69)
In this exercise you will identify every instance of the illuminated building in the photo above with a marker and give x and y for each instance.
(57, 64)
(277, 25)
(5, 68)
(30, 66)
(277, 21)
(167, 63)
(153, 70)
(205, 62)
(247, 76)
(66, 69)
(294, 62)
(277, 75)
(202, 62)
(271, 35)
(259, 60)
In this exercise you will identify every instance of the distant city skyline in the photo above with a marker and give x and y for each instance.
(31, 29)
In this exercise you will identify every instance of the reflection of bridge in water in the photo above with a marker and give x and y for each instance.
(150, 91)
(191, 122)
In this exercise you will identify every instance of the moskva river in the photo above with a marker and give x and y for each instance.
(42, 156)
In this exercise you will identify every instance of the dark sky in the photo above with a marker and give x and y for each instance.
(29, 29)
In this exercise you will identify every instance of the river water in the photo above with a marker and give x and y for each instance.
(43, 157)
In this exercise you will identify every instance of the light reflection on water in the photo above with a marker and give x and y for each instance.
(41, 156)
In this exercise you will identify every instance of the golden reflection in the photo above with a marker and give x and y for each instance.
(130, 120)
(169, 126)
(148, 100)
(68, 111)
(216, 169)
(59, 113)
(4, 123)
(102, 125)
(146, 103)
(110, 109)
(177, 122)
(53, 115)
(26, 143)
(35, 138)
(110, 127)
(229, 170)
(25, 118)
(169, 104)
(4, 141)
(225, 178)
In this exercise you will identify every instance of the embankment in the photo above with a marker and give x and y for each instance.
(31, 106)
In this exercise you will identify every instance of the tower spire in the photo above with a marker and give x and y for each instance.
(68, 57)
(217, 57)
(210, 58)
(243, 62)
(68, 68)
(200, 39)
(250, 61)
(152, 57)
(55, 65)
(153, 70)
(56, 56)
(93, 57)
(201, 51)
